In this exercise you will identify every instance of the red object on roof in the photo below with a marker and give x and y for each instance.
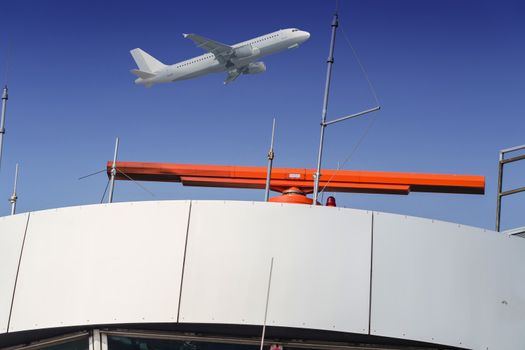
(330, 202)
(356, 181)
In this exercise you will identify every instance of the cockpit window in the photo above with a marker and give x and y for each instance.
(295, 30)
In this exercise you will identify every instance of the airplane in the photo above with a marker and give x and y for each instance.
(235, 59)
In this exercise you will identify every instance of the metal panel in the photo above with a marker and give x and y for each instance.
(321, 270)
(12, 230)
(446, 283)
(101, 264)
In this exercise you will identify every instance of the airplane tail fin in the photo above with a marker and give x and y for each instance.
(146, 62)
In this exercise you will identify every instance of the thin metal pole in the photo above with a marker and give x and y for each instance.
(500, 188)
(513, 149)
(330, 62)
(266, 307)
(113, 173)
(351, 116)
(270, 163)
(14, 197)
(2, 120)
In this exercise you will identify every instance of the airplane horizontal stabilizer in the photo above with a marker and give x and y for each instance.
(142, 74)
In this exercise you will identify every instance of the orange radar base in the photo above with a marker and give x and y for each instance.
(297, 182)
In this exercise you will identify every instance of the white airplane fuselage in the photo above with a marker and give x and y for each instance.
(211, 63)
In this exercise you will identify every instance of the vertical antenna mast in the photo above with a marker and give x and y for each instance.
(14, 197)
(113, 173)
(270, 163)
(324, 123)
(2, 120)
(330, 62)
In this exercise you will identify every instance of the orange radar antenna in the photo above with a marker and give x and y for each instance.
(295, 183)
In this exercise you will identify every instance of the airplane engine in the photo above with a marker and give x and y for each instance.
(255, 67)
(246, 51)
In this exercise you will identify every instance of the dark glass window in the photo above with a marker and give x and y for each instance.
(126, 343)
(132, 343)
(79, 344)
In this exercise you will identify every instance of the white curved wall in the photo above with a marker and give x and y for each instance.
(12, 229)
(439, 281)
(321, 272)
(130, 262)
(118, 263)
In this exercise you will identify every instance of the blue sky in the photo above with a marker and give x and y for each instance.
(450, 76)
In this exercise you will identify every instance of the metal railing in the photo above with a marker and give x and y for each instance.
(503, 161)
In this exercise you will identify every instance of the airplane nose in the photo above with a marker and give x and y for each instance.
(305, 35)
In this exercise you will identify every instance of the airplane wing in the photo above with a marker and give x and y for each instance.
(214, 47)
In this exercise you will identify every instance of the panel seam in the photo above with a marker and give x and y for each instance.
(17, 272)
(184, 261)
(371, 271)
